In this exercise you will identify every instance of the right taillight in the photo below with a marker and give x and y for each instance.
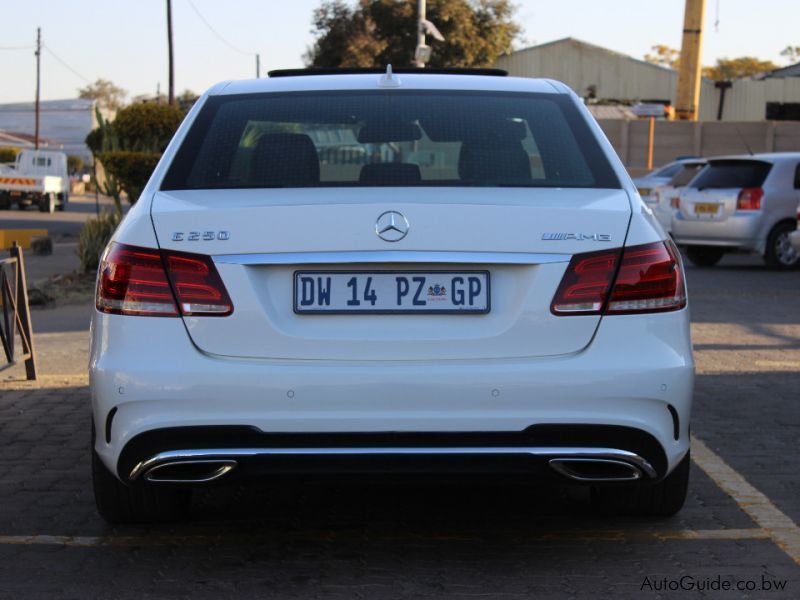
(749, 199)
(637, 279)
(159, 283)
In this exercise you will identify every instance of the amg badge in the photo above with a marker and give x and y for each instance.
(595, 237)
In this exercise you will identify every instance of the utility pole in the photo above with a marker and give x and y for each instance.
(421, 9)
(38, 83)
(171, 97)
(688, 96)
(258, 66)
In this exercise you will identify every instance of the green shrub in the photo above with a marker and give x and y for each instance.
(146, 127)
(131, 169)
(74, 164)
(94, 237)
(8, 154)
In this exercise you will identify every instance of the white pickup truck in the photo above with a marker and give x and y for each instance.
(36, 178)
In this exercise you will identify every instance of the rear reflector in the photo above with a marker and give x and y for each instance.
(749, 199)
(638, 279)
(147, 282)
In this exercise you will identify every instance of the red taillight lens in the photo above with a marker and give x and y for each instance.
(645, 278)
(650, 279)
(584, 287)
(749, 199)
(146, 282)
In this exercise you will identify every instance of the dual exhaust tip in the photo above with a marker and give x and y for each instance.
(585, 470)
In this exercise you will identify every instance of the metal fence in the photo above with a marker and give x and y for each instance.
(16, 316)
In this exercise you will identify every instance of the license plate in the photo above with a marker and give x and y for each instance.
(706, 208)
(387, 292)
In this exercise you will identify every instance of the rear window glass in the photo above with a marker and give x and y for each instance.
(686, 174)
(668, 171)
(732, 174)
(396, 138)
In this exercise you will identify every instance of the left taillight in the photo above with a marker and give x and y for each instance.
(148, 282)
(749, 199)
(636, 279)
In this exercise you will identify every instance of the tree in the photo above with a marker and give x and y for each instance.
(375, 33)
(664, 55)
(130, 146)
(186, 99)
(792, 54)
(8, 154)
(105, 92)
(728, 69)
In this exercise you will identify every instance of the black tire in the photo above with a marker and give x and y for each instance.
(780, 254)
(662, 499)
(704, 256)
(5, 201)
(62, 202)
(47, 204)
(120, 503)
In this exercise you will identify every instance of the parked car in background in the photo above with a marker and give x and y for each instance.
(741, 203)
(38, 178)
(664, 198)
(661, 176)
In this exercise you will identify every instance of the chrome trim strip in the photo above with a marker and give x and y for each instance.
(391, 256)
(562, 465)
(223, 467)
(237, 453)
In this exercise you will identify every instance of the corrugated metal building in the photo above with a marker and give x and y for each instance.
(63, 123)
(593, 71)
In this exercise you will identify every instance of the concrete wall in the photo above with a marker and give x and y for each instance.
(709, 138)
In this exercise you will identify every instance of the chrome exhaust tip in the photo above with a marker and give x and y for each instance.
(596, 470)
(189, 471)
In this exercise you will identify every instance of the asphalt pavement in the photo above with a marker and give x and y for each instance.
(62, 226)
(353, 540)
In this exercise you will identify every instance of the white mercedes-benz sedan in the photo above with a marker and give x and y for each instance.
(389, 273)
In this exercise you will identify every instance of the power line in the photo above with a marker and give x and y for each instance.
(216, 33)
(65, 65)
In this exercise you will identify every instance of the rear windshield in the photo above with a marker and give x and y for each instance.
(667, 171)
(732, 174)
(686, 174)
(389, 138)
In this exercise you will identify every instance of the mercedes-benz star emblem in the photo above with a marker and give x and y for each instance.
(391, 226)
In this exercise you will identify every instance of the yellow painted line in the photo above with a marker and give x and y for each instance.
(204, 540)
(780, 528)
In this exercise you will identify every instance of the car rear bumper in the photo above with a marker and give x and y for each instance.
(147, 377)
(741, 230)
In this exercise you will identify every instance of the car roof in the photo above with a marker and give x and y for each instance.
(372, 81)
(763, 156)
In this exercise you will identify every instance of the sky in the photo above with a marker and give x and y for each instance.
(125, 41)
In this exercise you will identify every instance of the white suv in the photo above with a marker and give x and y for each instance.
(389, 272)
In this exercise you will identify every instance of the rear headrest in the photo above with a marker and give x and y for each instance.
(390, 174)
(503, 162)
(288, 159)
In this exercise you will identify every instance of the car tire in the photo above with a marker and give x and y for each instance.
(780, 253)
(120, 503)
(62, 202)
(704, 256)
(5, 202)
(48, 204)
(662, 499)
